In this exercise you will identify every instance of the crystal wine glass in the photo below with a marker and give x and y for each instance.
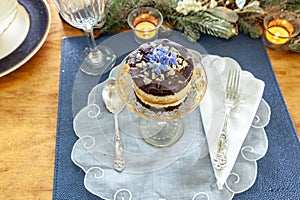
(85, 14)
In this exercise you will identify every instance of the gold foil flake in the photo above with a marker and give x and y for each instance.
(139, 65)
(172, 49)
(147, 80)
(153, 75)
(139, 57)
(179, 60)
(146, 73)
(144, 64)
(171, 72)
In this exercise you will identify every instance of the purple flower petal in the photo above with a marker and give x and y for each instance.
(157, 70)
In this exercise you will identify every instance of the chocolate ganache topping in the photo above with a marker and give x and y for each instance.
(161, 67)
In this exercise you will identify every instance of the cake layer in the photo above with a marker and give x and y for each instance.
(162, 101)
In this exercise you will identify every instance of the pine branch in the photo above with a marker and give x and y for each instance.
(293, 6)
(295, 44)
(251, 23)
(116, 16)
(272, 3)
(290, 5)
(193, 25)
(295, 47)
(251, 27)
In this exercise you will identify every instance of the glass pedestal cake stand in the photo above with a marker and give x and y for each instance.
(160, 128)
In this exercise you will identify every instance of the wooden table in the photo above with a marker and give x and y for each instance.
(28, 114)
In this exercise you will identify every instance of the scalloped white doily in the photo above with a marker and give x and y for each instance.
(189, 175)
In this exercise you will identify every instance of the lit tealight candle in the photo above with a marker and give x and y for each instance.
(279, 31)
(145, 23)
(145, 30)
(277, 35)
(280, 28)
(145, 26)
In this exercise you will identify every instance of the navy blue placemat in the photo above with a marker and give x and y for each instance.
(278, 172)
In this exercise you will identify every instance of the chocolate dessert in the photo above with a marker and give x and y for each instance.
(161, 71)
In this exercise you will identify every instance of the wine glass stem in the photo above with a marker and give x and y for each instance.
(95, 54)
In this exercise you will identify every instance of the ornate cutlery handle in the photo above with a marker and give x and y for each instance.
(220, 159)
(119, 161)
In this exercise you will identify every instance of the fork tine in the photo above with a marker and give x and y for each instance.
(237, 83)
(229, 84)
(232, 85)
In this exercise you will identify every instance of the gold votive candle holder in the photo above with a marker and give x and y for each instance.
(279, 29)
(145, 23)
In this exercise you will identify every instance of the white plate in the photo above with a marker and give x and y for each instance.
(40, 18)
(13, 37)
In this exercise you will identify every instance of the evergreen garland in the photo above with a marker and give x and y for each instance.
(224, 20)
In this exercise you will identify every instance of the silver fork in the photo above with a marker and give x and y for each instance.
(231, 95)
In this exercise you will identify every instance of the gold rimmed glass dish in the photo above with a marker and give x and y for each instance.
(161, 127)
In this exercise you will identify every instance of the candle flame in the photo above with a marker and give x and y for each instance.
(277, 35)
